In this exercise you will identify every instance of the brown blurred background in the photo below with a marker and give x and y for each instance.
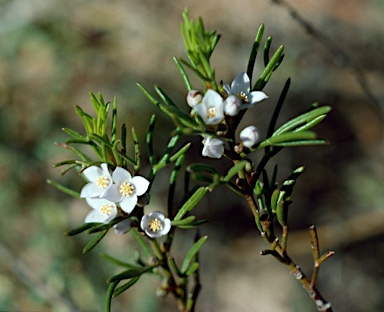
(53, 53)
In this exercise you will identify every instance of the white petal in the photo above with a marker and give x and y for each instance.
(96, 203)
(156, 215)
(121, 175)
(256, 96)
(141, 185)
(201, 110)
(249, 136)
(92, 173)
(166, 226)
(227, 88)
(128, 203)
(144, 222)
(106, 172)
(232, 105)
(112, 193)
(91, 190)
(212, 98)
(213, 148)
(240, 84)
(95, 216)
(123, 226)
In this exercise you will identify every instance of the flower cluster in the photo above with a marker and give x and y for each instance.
(213, 108)
(106, 194)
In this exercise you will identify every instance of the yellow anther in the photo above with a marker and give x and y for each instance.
(155, 225)
(211, 112)
(103, 182)
(127, 189)
(106, 209)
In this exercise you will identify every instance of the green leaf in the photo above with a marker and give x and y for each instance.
(81, 229)
(234, 170)
(119, 262)
(266, 74)
(74, 134)
(192, 202)
(127, 275)
(93, 243)
(108, 298)
(289, 137)
(183, 74)
(64, 189)
(142, 243)
(197, 167)
(126, 286)
(312, 117)
(192, 253)
(149, 140)
(253, 54)
(183, 221)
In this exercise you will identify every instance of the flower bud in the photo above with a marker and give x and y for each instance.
(232, 105)
(194, 97)
(213, 148)
(249, 136)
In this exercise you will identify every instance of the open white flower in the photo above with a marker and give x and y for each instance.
(211, 108)
(249, 136)
(99, 180)
(125, 189)
(102, 210)
(213, 148)
(155, 224)
(240, 87)
(123, 226)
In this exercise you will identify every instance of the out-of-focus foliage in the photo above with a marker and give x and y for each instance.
(52, 53)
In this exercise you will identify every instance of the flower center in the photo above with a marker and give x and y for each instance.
(211, 112)
(243, 96)
(127, 189)
(103, 182)
(106, 209)
(155, 225)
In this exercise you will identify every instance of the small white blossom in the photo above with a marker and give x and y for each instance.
(102, 210)
(194, 97)
(232, 105)
(155, 224)
(249, 136)
(240, 87)
(126, 189)
(99, 180)
(211, 108)
(123, 226)
(213, 148)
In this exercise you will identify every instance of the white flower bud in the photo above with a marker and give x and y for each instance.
(249, 136)
(232, 105)
(194, 97)
(213, 148)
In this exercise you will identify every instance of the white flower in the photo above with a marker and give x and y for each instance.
(123, 226)
(126, 189)
(194, 97)
(103, 210)
(249, 136)
(211, 108)
(213, 148)
(155, 224)
(240, 87)
(232, 105)
(100, 179)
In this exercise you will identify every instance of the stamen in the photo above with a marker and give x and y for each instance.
(243, 96)
(211, 112)
(127, 189)
(155, 225)
(106, 209)
(103, 182)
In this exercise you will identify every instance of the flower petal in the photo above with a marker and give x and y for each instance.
(112, 193)
(256, 96)
(141, 185)
(240, 84)
(91, 190)
(92, 173)
(94, 216)
(123, 226)
(128, 203)
(121, 175)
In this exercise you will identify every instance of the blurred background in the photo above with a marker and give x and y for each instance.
(53, 53)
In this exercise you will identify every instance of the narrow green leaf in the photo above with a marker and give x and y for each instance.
(126, 286)
(108, 298)
(183, 221)
(192, 269)
(149, 140)
(93, 243)
(192, 253)
(234, 170)
(74, 134)
(193, 224)
(202, 167)
(180, 152)
(267, 47)
(284, 138)
(95, 102)
(114, 120)
(64, 189)
(127, 275)
(183, 74)
(303, 119)
(142, 243)
(192, 202)
(119, 262)
(81, 229)
(253, 54)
